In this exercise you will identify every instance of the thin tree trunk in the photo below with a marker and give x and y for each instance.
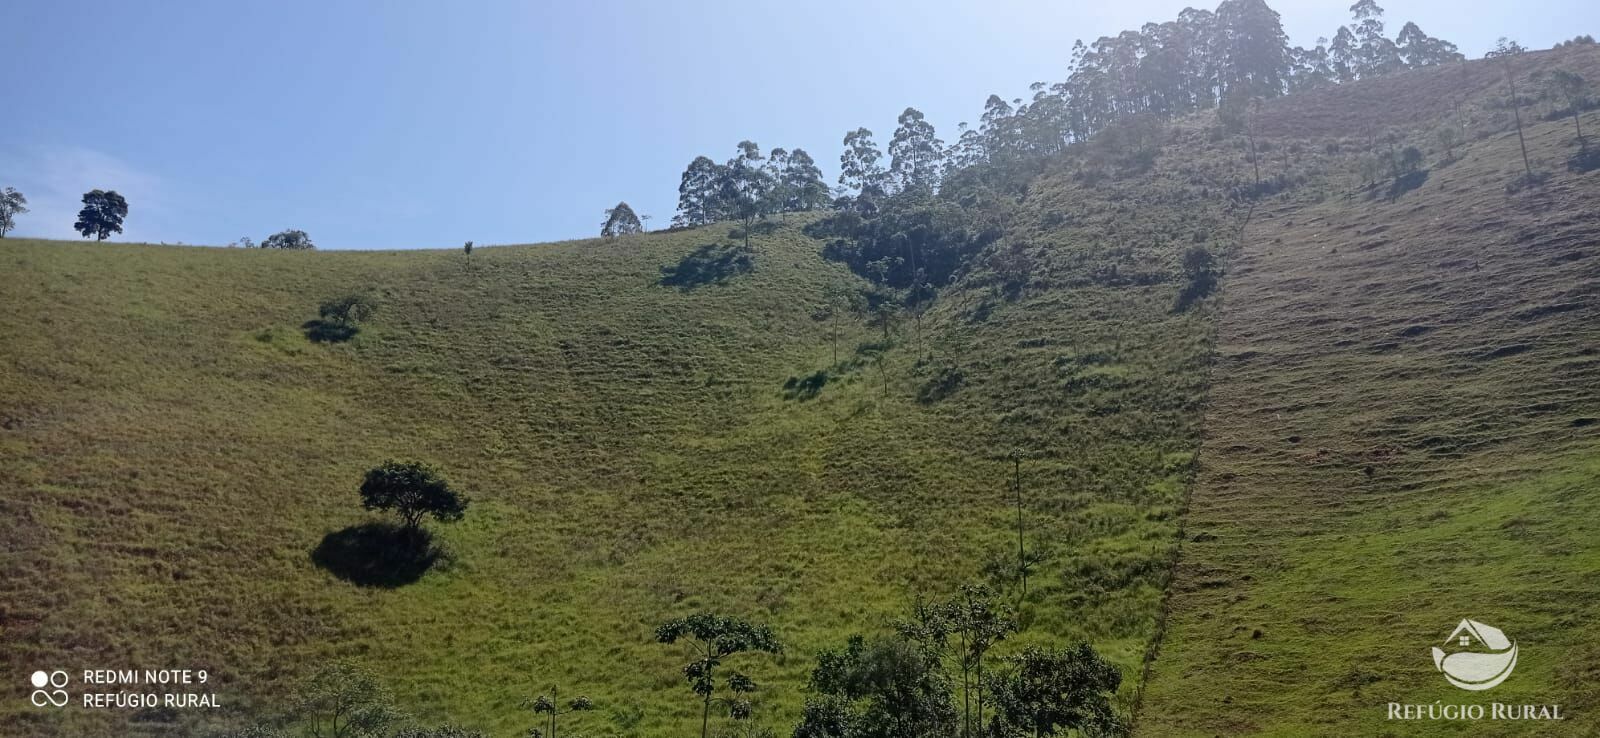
(979, 686)
(1022, 554)
(1516, 111)
(835, 323)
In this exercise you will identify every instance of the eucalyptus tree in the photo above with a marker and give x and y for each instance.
(1507, 52)
(860, 174)
(745, 187)
(916, 155)
(12, 204)
(1418, 49)
(699, 193)
(620, 221)
(800, 180)
(1378, 55)
(1575, 89)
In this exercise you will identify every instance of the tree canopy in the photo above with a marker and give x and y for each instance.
(413, 490)
(102, 214)
(620, 221)
(12, 204)
(292, 239)
(749, 186)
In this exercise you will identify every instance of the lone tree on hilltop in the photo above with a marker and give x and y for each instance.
(413, 490)
(12, 204)
(102, 214)
(293, 239)
(620, 221)
(714, 638)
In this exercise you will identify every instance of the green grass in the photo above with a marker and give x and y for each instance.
(1391, 408)
(175, 448)
(1401, 434)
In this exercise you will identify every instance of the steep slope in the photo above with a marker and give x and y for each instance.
(1402, 433)
(1399, 435)
(177, 452)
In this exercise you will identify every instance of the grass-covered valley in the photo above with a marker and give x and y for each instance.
(1200, 413)
(179, 449)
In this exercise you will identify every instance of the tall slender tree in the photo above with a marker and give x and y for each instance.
(1575, 89)
(700, 193)
(1257, 53)
(801, 182)
(1507, 52)
(1378, 55)
(860, 174)
(916, 155)
(12, 204)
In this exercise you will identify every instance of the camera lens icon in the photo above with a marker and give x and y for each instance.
(48, 690)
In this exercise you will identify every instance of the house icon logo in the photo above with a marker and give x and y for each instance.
(1480, 657)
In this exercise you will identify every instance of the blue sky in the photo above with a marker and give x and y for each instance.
(424, 124)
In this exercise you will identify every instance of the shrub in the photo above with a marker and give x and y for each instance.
(295, 240)
(347, 310)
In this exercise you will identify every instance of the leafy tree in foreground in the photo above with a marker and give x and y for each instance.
(413, 490)
(620, 221)
(1046, 692)
(12, 204)
(715, 638)
(342, 700)
(883, 688)
(102, 214)
(296, 240)
(979, 623)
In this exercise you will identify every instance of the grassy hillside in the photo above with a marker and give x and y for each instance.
(1402, 433)
(176, 448)
(1393, 402)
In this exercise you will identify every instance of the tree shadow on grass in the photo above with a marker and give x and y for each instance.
(759, 228)
(323, 331)
(709, 264)
(1406, 183)
(1586, 160)
(378, 554)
